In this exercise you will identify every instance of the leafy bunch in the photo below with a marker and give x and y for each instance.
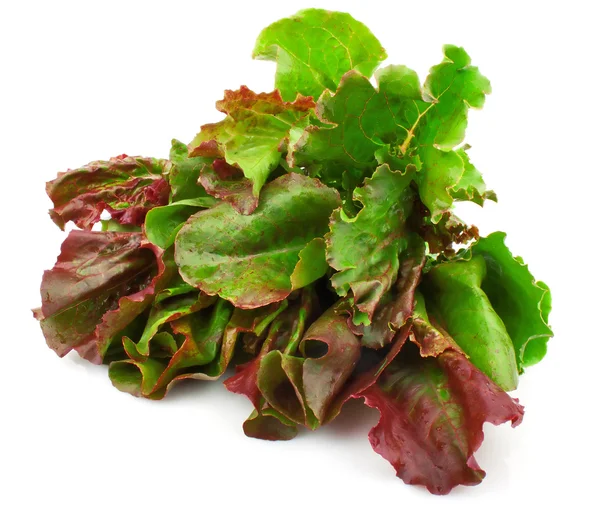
(309, 237)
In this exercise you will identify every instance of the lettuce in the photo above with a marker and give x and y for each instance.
(308, 240)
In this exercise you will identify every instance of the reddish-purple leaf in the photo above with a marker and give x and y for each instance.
(323, 376)
(101, 282)
(432, 414)
(362, 378)
(127, 187)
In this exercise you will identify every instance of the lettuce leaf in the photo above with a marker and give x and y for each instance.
(506, 328)
(396, 312)
(309, 239)
(163, 223)
(127, 187)
(268, 424)
(228, 183)
(471, 186)
(256, 132)
(365, 249)
(249, 260)
(522, 303)
(184, 173)
(302, 388)
(453, 293)
(209, 336)
(401, 123)
(101, 282)
(285, 333)
(314, 48)
(432, 414)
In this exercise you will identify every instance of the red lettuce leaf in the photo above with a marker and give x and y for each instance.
(101, 282)
(432, 414)
(324, 376)
(367, 372)
(302, 388)
(127, 187)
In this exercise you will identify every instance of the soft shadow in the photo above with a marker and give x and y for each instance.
(355, 419)
(185, 389)
(74, 359)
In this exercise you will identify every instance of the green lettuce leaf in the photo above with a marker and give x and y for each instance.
(471, 186)
(451, 88)
(161, 313)
(279, 381)
(268, 424)
(314, 48)
(256, 132)
(249, 260)
(153, 377)
(163, 223)
(400, 124)
(358, 120)
(454, 296)
(365, 249)
(209, 336)
(522, 303)
(441, 171)
(184, 173)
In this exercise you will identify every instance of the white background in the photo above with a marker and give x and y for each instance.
(87, 81)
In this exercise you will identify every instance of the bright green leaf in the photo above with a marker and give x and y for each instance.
(314, 48)
(441, 171)
(522, 302)
(471, 186)
(454, 295)
(311, 265)
(452, 87)
(163, 223)
(183, 176)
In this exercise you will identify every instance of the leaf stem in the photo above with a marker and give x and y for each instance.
(411, 132)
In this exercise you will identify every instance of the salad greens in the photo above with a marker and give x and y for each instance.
(308, 241)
